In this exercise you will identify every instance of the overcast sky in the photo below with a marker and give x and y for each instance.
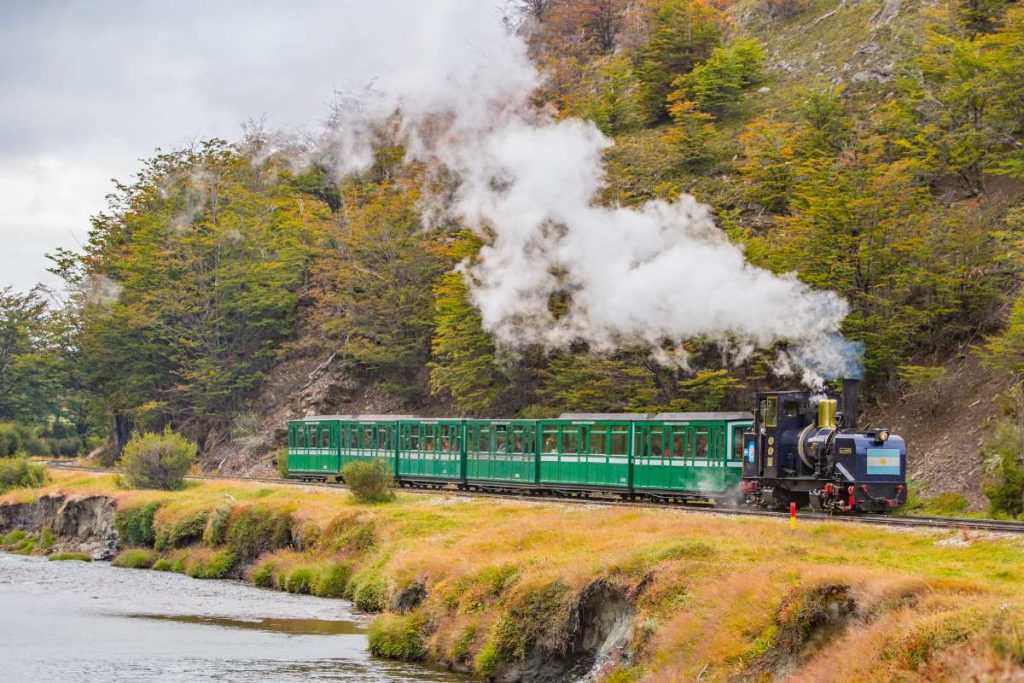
(87, 88)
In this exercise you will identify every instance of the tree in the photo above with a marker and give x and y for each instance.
(187, 285)
(609, 95)
(378, 306)
(716, 85)
(464, 362)
(32, 379)
(683, 34)
(961, 110)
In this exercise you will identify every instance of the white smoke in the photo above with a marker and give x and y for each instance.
(652, 275)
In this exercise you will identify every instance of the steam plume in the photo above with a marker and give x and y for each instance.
(653, 275)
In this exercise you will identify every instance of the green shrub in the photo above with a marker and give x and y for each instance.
(1005, 490)
(163, 565)
(370, 481)
(135, 525)
(135, 558)
(398, 636)
(300, 580)
(62, 557)
(281, 462)
(33, 445)
(19, 472)
(371, 594)
(157, 461)
(216, 529)
(67, 447)
(257, 529)
(183, 532)
(216, 566)
(10, 440)
(332, 581)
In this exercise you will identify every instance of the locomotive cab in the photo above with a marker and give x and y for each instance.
(804, 450)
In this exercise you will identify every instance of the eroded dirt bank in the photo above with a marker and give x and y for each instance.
(81, 524)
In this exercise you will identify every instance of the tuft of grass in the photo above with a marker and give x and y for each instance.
(487, 660)
(12, 539)
(207, 565)
(216, 529)
(135, 525)
(300, 580)
(46, 539)
(63, 557)
(264, 574)
(25, 547)
(398, 636)
(163, 565)
(534, 616)
(135, 558)
(182, 532)
(332, 581)
(257, 529)
(370, 593)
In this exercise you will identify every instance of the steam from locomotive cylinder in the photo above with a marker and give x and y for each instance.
(651, 275)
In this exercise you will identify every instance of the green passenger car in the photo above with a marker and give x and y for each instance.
(698, 452)
(313, 445)
(662, 454)
(582, 450)
(430, 449)
(501, 451)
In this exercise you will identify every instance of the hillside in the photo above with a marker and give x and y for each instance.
(871, 148)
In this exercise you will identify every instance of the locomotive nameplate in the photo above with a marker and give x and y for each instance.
(846, 451)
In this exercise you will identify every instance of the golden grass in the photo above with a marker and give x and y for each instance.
(710, 589)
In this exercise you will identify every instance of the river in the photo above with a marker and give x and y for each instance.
(79, 621)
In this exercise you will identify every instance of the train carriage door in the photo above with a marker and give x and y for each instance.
(570, 453)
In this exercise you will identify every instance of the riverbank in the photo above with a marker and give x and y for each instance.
(524, 590)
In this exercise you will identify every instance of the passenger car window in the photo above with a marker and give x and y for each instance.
(569, 441)
(700, 445)
(771, 412)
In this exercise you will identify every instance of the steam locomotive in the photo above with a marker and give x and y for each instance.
(803, 449)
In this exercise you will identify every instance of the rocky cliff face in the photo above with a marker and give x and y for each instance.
(80, 523)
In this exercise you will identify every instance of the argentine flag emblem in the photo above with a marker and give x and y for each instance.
(884, 461)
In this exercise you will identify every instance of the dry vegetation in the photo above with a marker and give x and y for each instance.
(476, 583)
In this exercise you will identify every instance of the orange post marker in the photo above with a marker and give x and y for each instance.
(792, 515)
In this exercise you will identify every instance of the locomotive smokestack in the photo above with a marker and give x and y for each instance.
(850, 387)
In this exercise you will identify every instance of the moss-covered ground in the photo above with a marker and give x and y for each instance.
(477, 583)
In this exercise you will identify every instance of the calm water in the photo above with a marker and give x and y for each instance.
(77, 621)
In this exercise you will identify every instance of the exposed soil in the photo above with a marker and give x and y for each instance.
(81, 524)
(945, 428)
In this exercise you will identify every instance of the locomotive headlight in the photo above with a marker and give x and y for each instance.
(883, 435)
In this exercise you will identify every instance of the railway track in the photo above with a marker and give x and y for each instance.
(916, 521)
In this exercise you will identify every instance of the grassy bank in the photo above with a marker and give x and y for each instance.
(485, 584)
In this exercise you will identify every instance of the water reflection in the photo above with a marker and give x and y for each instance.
(297, 627)
(90, 621)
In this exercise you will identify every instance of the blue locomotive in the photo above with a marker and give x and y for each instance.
(803, 449)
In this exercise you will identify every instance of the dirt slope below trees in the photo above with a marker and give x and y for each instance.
(946, 427)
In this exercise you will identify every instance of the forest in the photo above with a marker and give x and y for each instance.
(888, 168)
